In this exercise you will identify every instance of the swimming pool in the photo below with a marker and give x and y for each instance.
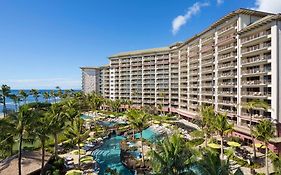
(108, 155)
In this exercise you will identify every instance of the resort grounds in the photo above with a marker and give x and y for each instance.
(88, 134)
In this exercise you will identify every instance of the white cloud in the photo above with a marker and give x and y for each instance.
(273, 6)
(44, 83)
(180, 20)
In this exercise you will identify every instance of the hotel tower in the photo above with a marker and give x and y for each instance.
(235, 60)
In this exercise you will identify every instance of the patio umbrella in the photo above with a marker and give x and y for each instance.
(259, 145)
(74, 172)
(214, 145)
(233, 144)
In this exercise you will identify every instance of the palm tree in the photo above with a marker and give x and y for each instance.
(16, 100)
(52, 94)
(46, 95)
(210, 164)
(77, 133)
(59, 92)
(131, 117)
(276, 161)
(7, 134)
(207, 114)
(264, 131)
(21, 120)
(250, 106)
(70, 110)
(35, 94)
(223, 127)
(41, 130)
(173, 156)
(57, 123)
(5, 92)
(139, 122)
(24, 95)
(95, 102)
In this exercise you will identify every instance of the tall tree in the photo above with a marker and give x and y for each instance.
(223, 127)
(250, 107)
(264, 131)
(53, 95)
(21, 121)
(57, 123)
(35, 94)
(78, 133)
(139, 122)
(173, 156)
(46, 96)
(5, 92)
(207, 114)
(16, 100)
(24, 95)
(41, 129)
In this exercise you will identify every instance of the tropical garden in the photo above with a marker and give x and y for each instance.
(44, 125)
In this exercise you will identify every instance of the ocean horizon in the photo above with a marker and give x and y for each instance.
(11, 106)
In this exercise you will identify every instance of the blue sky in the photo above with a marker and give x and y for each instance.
(43, 43)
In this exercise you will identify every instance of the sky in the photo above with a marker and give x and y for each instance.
(43, 43)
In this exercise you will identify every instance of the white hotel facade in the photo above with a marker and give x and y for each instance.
(235, 60)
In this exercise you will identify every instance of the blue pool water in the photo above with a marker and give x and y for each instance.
(108, 155)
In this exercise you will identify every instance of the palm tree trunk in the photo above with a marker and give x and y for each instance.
(56, 145)
(20, 153)
(142, 157)
(266, 159)
(79, 155)
(222, 147)
(43, 155)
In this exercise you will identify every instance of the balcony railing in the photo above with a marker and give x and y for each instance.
(256, 47)
(256, 82)
(258, 94)
(255, 36)
(255, 59)
(221, 66)
(255, 71)
(227, 83)
(227, 56)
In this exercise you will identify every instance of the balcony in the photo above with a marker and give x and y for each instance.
(205, 49)
(227, 102)
(207, 92)
(228, 74)
(229, 56)
(207, 62)
(255, 37)
(227, 29)
(227, 66)
(226, 39)
(256, 83)
(256, 59)
(256, 49)
(227, 93)
(227, 84)
(206, 85)
(256, 94)
(210, 77)
(207, 100)
(226, 48)
(255, 71)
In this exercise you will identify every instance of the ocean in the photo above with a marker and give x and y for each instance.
(10, 104)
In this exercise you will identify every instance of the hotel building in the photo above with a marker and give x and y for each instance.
(233, 61)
